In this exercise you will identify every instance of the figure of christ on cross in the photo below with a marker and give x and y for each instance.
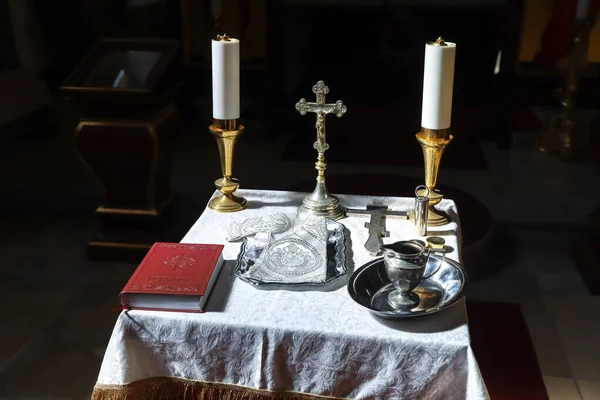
(321, 109)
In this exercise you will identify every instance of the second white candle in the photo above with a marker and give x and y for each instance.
(438, 82)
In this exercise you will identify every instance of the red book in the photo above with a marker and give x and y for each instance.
(174, 277)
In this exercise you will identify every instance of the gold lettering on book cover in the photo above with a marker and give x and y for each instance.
(170, 279)
(195, 247)
(166, 288)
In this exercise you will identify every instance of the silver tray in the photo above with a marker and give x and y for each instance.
(369, 286)
(252, 248)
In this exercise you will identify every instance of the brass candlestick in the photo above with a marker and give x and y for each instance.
(226, 132)
(320, 201)
(433, 142)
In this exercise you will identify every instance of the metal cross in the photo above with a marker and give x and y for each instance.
(321, 109)
(377, 225)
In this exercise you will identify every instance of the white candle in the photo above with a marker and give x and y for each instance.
(438, 81)
(226, 78)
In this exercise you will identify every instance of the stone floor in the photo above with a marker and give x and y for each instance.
(58, 313)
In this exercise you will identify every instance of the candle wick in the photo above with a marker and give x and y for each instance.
(440, 41)
(223, 38)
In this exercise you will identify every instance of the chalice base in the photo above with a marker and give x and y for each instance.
(400, 300)
(228, 203)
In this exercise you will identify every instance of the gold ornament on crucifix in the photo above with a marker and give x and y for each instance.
(320, 201)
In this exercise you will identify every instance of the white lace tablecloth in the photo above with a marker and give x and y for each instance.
(311, 342)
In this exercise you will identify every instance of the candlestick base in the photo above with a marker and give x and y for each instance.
(228, 202)
(435, 217)
(226, 132)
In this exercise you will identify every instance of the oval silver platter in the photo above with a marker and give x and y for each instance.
(369, 286)
(252, 248)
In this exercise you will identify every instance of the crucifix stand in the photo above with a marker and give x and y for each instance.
(320, 201)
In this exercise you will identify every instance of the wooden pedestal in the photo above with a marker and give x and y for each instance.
(126, 90)
(132, 162)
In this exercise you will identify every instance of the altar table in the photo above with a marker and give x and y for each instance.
(274, 344)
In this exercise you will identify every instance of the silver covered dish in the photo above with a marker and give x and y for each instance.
(370, 286)
(252, 248)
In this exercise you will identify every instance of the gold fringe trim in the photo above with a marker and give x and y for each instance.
(165, 388)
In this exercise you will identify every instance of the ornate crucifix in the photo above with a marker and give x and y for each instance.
(321, 202)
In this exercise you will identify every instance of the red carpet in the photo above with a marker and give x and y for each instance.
(504, 351)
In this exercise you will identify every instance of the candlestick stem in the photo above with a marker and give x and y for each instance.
(433, 142)
(226, 137)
